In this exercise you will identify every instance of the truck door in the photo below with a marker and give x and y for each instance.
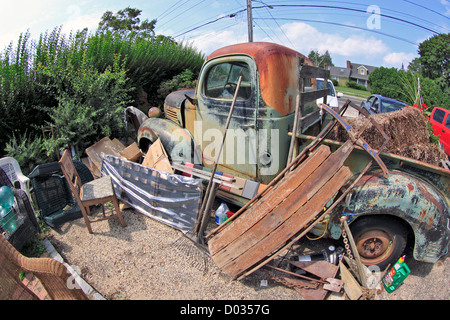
(440, 121)
(215, 92)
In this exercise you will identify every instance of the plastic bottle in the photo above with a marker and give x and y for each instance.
(396, 275)
(6, 200)
(221, 215)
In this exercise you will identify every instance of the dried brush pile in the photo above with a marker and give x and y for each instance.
(407, 130)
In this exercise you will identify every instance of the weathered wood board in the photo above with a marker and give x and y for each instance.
(292, 205)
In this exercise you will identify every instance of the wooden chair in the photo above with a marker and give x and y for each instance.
(97, 191)
(53, 275)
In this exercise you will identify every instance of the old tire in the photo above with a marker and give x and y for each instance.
(380, 240)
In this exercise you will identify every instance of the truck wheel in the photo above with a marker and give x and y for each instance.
(380, 240)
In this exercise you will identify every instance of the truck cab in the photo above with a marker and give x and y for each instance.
(412, 201)
(257, 141)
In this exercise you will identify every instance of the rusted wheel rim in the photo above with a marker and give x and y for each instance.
(374, 246)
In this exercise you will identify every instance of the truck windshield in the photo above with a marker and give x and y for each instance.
(330, 86)
(222, 80)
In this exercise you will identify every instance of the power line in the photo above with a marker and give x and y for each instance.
(183, 12)
(423, 7)
(279, 27)
(348, 26)
(212, 21)
(195, 26)
(178, 4)
(315, 21)
(165, 11)
(353, 9)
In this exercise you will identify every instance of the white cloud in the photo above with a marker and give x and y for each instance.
(15, 21)
(306, 38)
(396, 59)
(446, 4)
(44, 15)
(77, 21)
(213, 40)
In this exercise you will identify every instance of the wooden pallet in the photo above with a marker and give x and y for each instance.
(293, 204)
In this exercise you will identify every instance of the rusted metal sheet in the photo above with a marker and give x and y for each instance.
(263, 235)
(276, 64)
(415, 201)
(177, 141)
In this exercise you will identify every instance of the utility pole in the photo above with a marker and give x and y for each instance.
(249, 20)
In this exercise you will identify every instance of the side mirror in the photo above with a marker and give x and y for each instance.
(340, 94)
(191, 100)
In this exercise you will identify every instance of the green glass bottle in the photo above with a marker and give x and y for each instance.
(396, 275)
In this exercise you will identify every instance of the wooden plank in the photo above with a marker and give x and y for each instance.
(290, 227)
(313, 95)
(269, 214)
(308, 120)
(313, 72)
(351, 286)
(297, 198)
(273, 198)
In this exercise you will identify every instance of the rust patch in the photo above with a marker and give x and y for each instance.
(410, 187)
(276, 65)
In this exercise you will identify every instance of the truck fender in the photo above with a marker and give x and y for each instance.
(178, 142)
(409, 198)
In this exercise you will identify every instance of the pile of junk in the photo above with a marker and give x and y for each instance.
(182, 195)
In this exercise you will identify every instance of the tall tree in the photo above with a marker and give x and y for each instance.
(320, 60)
(127, 20)
(435, 57)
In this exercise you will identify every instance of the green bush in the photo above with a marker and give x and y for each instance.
(90, 103)
(185, 80)
(403, 86)
(28, 150)
(354, 85)
(149, 61)
(92, 76)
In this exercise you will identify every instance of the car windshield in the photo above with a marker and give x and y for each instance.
(391, 105)
(320, 86)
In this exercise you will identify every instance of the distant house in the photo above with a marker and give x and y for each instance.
(352, 72)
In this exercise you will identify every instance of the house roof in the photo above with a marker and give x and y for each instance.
(339, 72)
(352, 72)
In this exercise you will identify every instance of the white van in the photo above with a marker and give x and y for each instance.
(332, 98)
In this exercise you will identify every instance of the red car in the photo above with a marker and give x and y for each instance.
(440, 122)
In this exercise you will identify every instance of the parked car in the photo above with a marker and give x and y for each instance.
(378, 104)
(332, 98)
(440, 122)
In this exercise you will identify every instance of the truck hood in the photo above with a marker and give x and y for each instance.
(177, 98)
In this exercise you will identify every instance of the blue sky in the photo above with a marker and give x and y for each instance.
(388, 39)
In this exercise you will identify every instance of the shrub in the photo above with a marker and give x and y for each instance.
(184, 80)
(90, 103)
(354, 85)
(28, 150)
(98, 72)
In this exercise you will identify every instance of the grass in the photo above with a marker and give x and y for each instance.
(353, 92)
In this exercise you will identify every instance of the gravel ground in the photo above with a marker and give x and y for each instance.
(143, 261)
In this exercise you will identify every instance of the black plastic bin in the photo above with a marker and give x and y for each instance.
(53, 196)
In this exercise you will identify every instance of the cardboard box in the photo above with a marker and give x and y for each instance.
(131, 153)
(95, 151)
(157, 158)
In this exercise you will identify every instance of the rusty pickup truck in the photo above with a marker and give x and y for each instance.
(410, 205)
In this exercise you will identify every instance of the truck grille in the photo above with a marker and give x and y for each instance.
(171, 114)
